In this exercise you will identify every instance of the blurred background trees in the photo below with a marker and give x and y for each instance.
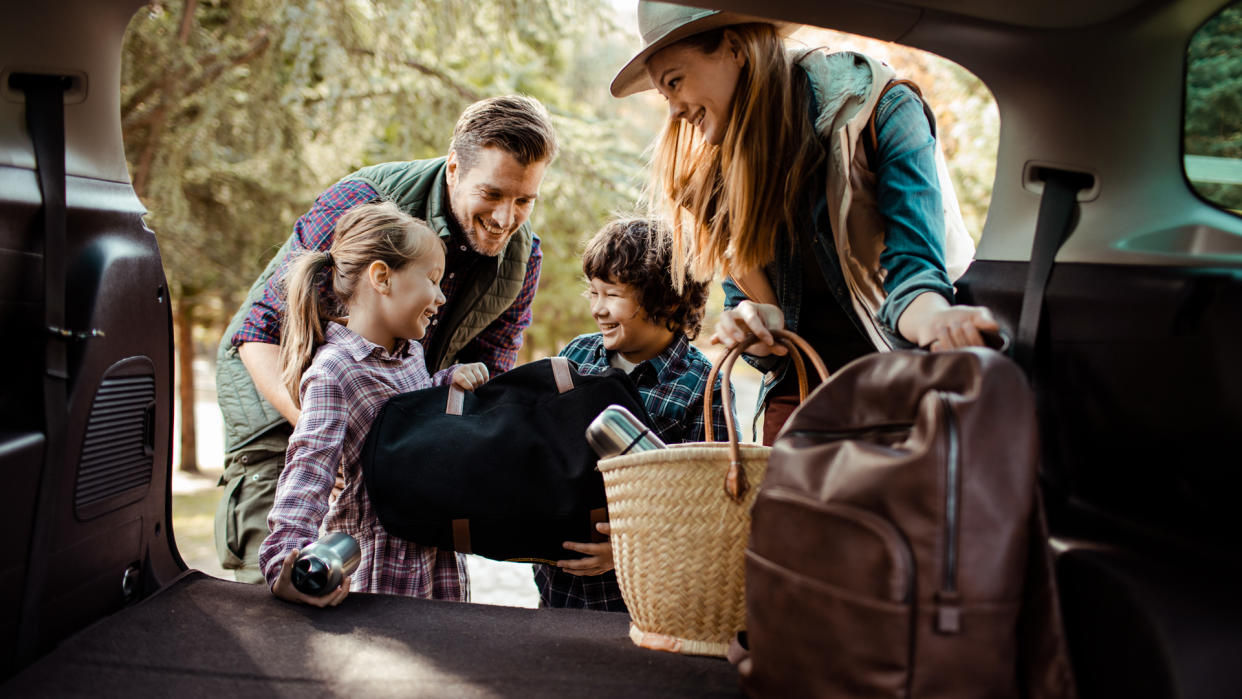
(1214, 109)
(237, 113)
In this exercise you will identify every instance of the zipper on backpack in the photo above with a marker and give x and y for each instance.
(948, 602)
(828, 435)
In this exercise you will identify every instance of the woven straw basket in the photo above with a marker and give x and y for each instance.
(679, 538)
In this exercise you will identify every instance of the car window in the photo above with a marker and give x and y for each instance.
(1213, 127)
(967, 119)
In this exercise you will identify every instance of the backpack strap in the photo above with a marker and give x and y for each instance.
(871, 142)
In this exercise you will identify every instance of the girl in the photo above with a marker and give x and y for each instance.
(764, 171)
(384, 269)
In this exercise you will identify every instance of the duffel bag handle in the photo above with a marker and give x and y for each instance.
(735, 481)
(561, 373)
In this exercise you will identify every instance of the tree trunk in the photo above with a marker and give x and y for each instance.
(185, 385)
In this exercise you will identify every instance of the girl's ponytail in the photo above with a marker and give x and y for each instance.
(379, 231)
(302, 330)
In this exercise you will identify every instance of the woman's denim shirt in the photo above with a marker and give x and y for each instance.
(909, 199)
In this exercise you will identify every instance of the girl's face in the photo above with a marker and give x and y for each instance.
(413, 296)
(699, 86)
(624, 324)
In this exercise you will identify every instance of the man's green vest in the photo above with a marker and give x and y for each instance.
(417, 187)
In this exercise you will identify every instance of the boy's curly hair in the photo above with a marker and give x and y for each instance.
(635, 252)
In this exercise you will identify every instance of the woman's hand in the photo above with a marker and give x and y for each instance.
(750, 318)
(960, 326)
(284, 589)
(468, 377)
(599, 556)
(929, 321)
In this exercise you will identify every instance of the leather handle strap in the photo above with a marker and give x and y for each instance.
(561, 374)
(461, 536)
(735, 480)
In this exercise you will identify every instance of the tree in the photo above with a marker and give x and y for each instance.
(967, 120)
(1214, 99)
(237, 112)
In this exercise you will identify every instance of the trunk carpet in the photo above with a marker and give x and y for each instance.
(202, 636)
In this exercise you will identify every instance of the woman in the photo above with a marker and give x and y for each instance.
(765, 173)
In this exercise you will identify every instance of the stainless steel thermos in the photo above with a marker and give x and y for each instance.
(321, 566)
(615, 431)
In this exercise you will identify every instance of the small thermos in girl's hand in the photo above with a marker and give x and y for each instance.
(615, 431)
(321, 566)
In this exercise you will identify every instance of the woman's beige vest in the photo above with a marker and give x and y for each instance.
(847, 87)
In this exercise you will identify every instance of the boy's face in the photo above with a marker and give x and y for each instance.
(625, 326)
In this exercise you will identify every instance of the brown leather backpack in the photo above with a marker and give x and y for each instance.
(897, 548)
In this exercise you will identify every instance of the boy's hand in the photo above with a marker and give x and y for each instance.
(750, 318)
(284, 589)
(599, 556)
(468, 377)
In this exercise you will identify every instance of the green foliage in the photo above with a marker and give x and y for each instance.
(967, 121)
(1214, 98)
(238, 112)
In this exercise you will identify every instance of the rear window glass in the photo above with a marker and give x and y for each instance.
(1213, 129)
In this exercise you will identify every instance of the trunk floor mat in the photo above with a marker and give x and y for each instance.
(202, 636)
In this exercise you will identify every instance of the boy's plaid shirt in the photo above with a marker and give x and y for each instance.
(671, 384)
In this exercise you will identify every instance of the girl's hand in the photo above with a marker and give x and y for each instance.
(598, 560)
(468, 377)
(750, 318)
(285, 590)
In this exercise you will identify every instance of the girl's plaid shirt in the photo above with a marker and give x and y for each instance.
(347, 383)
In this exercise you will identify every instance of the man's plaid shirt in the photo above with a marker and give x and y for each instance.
(672, 385)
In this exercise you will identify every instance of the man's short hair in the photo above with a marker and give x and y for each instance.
(637, 253)
(518, 124)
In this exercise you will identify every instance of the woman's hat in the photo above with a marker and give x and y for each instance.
(662, 24)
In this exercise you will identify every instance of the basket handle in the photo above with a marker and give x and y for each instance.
(735, 481)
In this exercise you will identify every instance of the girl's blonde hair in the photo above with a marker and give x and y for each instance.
(725, 204)
(367, 233)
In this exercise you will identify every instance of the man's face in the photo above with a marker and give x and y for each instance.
(493, 198)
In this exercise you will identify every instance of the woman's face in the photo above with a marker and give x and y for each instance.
(699, 86)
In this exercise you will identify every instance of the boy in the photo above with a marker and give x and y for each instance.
(645, 330)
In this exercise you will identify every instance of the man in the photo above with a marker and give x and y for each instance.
(478, 199)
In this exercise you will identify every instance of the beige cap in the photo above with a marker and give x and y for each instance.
(662, 24)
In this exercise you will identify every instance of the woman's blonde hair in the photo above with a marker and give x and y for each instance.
(725, 204)
(367, 233)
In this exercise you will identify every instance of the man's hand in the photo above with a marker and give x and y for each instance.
(468, 377)
(750, 318)
(263, 362)
(284, 589)
(599, 556)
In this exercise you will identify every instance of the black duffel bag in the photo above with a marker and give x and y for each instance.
(504, 471)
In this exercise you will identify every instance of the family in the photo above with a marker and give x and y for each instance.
(806, 180)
